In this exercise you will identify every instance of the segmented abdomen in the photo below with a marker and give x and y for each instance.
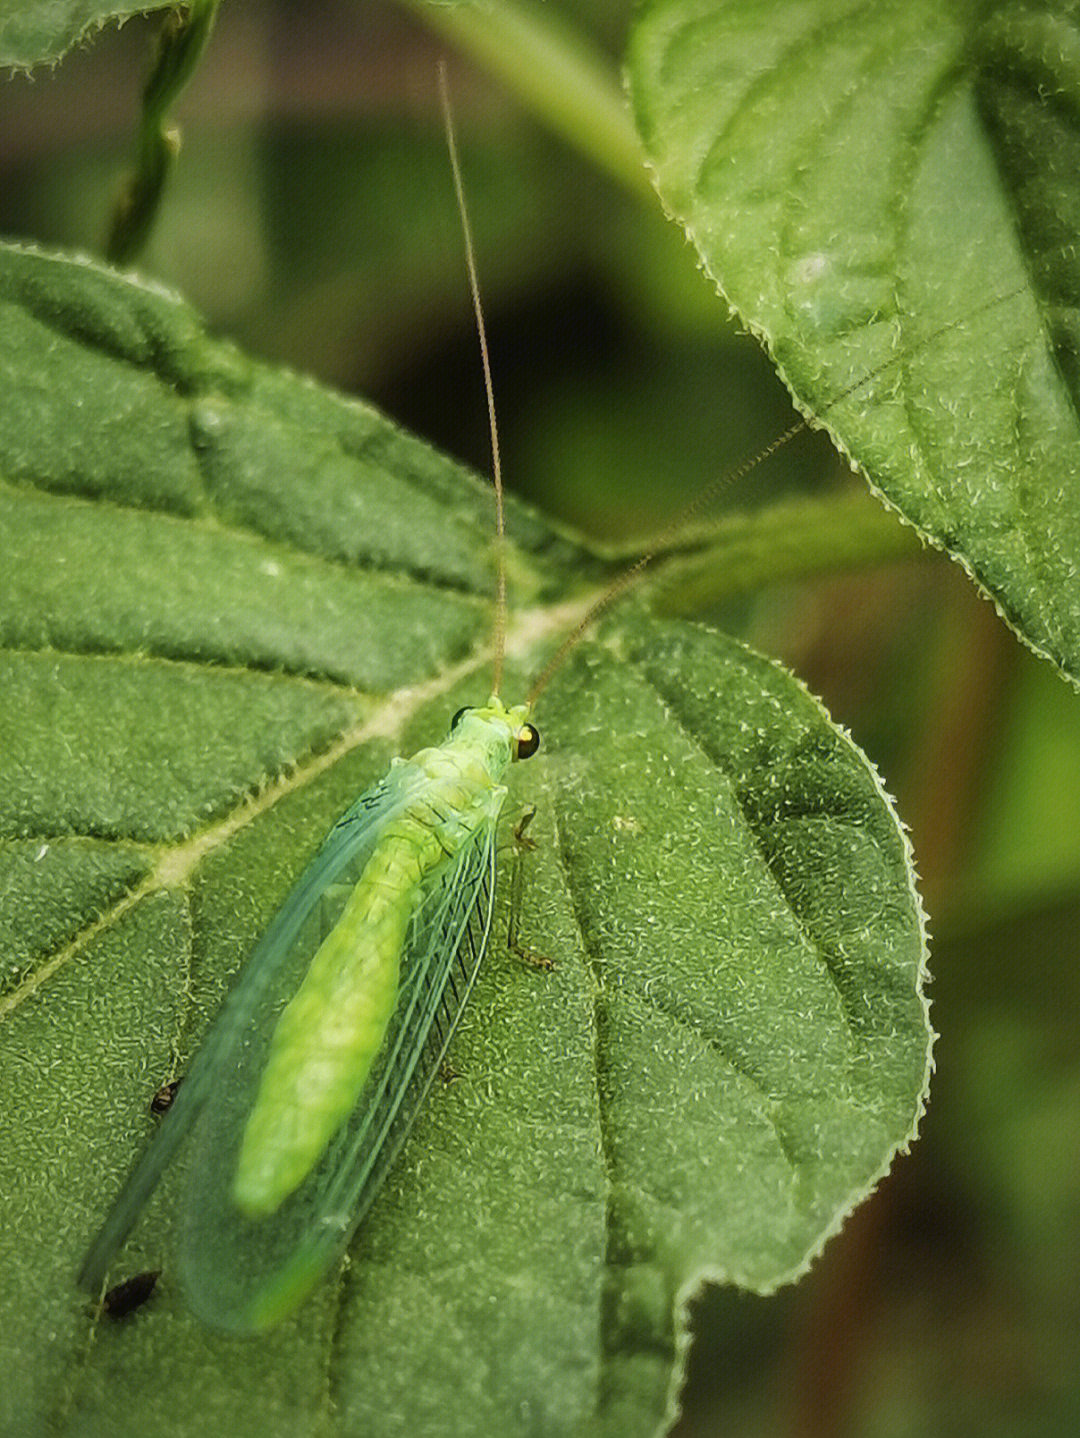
(328, 1036)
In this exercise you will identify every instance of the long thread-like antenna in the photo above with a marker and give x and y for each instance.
(631, 575)
(705, 496)
(499, 636)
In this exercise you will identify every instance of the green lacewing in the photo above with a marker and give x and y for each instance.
(301, 1095)
(304, 1089)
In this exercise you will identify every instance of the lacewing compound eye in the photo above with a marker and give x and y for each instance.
(528, 741)
(124, 1298)
(459, 716)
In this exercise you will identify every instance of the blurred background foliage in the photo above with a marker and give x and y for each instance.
(311, 219)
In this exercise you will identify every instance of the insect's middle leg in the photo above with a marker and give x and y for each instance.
(522, 843)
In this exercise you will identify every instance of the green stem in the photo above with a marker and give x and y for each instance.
(794, 539)
(183, 36)
(569, 84)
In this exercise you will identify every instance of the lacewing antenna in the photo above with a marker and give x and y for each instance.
(499, 636)
(630, 576)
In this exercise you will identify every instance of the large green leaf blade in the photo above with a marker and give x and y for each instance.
(889, 190)
(781, 1015)
(730, 1050)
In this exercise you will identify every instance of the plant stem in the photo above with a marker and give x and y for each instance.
(181, 41)
(568, 83)
(793, 539)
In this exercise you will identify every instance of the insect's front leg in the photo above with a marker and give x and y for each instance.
(522, 843)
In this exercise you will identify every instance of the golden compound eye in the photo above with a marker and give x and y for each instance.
(528, 741)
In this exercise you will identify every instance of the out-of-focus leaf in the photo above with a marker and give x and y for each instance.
(38, 32)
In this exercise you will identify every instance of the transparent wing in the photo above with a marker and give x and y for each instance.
(309, 912)
(244, 1274)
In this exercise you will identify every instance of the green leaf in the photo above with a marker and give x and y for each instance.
(896, 182)
(231, 597)
(37, 32)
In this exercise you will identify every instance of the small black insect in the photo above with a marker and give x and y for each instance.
(162, 1101)
(123, 1298)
